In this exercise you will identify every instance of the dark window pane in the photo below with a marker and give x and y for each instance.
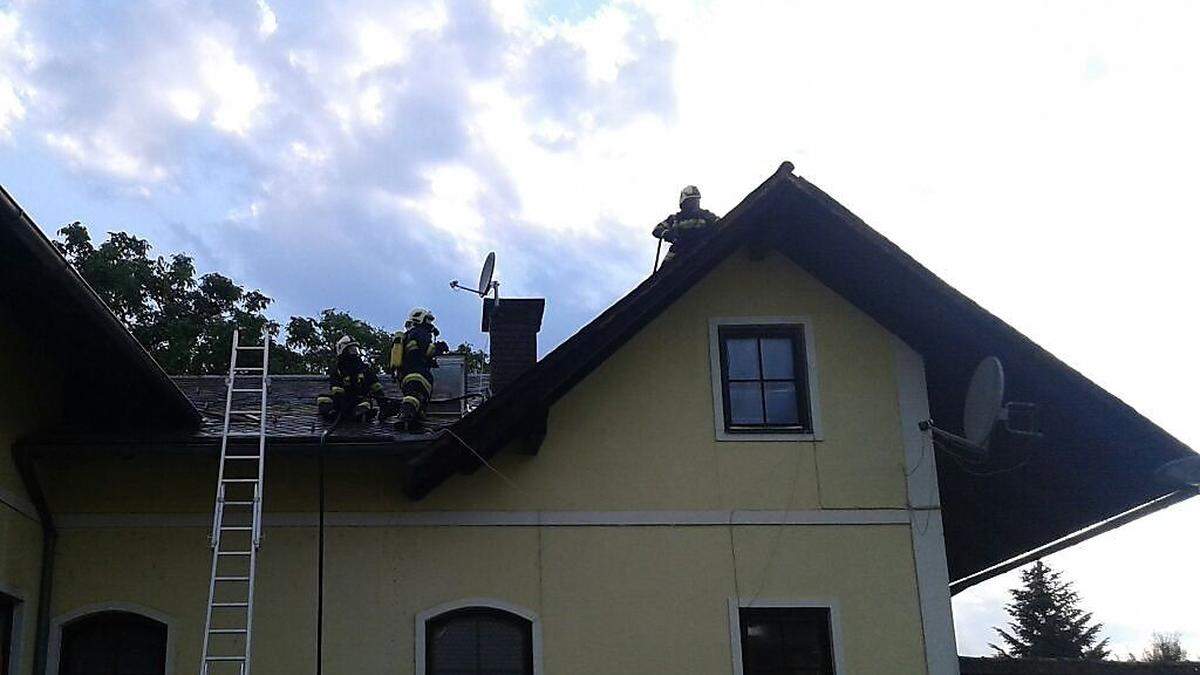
(479, 641)
(782, 407)
(742, 358)
(777, 359)
(745, 403)
(114, 643)
(786, 641)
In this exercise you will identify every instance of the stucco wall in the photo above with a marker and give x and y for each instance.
(610, 599)
(29, 398)
(635, 435)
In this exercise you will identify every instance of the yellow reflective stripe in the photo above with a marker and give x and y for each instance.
(416, 377)
(324, 399)
(376, 387)
(412, 344)
(429, 351)
(338, 390)
(412, 400)
(691, 223)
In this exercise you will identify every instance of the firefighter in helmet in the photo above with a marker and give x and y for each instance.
(354, 389)
(414, 356)
(683, 229)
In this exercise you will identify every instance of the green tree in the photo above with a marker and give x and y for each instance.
(1047, 621)
(477, 359)
(1164, 648)
(310, 342)
(185, 322)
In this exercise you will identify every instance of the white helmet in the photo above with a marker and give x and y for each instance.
(418, 316)
(344, 343)
(689, 192)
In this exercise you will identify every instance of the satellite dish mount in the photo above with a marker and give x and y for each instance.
(984, 410)
(486, 283)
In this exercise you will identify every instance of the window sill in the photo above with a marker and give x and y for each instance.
(767, 436)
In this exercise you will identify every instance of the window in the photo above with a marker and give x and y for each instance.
(786, 641)
(8, 616)
(765, 385)
(114, 643)
(478, 641)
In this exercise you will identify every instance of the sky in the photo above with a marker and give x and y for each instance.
(1040, 157)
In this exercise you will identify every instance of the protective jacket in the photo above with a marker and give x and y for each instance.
(413, 358)
(353, 386)
(683, 229)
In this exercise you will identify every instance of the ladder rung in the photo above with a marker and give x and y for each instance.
(242, 434)
(238, 503)
(227, 631)
(235, 528)
(245, 412)
(231, 604)
(237, 553)
(239, 480)
(249, 347)
(231, 578)
(224, 658)
(246, 391)
(252, 368)
(241, 456)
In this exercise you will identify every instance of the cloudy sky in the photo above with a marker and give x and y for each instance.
(1042, 157)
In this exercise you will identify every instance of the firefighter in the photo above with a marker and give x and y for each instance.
(682, 230)
(414, 356)
(354, 389)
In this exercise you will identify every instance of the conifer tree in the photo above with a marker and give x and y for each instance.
(1047, 621)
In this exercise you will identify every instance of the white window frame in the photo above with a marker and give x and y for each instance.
(424, 617)
(810, 356)
(15, 636)
(54, 648)
(835, 625)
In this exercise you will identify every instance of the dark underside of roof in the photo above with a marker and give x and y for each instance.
(1096, 460)
(110, 381)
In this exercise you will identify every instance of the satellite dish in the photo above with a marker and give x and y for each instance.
(983, 409)
(485, 275)
(1181, 472)
(985, 401)
(486, 283)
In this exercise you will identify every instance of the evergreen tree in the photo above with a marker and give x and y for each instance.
(1047, 621)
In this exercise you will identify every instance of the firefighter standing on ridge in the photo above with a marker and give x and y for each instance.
(354, 389)
(414, 356)
(682, 230)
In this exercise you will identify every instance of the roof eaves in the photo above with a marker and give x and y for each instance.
(44, 251)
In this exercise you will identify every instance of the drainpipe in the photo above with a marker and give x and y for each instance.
(25, 468)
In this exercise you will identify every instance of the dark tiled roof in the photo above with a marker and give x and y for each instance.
(292, 409)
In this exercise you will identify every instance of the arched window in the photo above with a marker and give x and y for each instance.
(477, 640)
(113, 643)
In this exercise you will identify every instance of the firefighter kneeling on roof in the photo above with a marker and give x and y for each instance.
(414, 356)
(355, 392)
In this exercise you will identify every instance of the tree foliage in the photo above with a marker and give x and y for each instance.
(1164, 648)
(186, 322)
(1047, 621)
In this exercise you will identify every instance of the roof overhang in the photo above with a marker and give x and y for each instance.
(110, 380)
(1097, 460)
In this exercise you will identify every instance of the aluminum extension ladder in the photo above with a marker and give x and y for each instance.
(237, 517)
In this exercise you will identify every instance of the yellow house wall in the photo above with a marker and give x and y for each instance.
(29, 398)
(610, 599)
(637, 434)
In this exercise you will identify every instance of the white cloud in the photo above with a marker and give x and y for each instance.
(234, 87)
(267, 23)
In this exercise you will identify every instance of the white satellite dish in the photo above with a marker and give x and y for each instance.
(1181, 472)
(985, 401)
(486, 283)
(983, 409)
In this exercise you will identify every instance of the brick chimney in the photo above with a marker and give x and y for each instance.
(513, 324)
